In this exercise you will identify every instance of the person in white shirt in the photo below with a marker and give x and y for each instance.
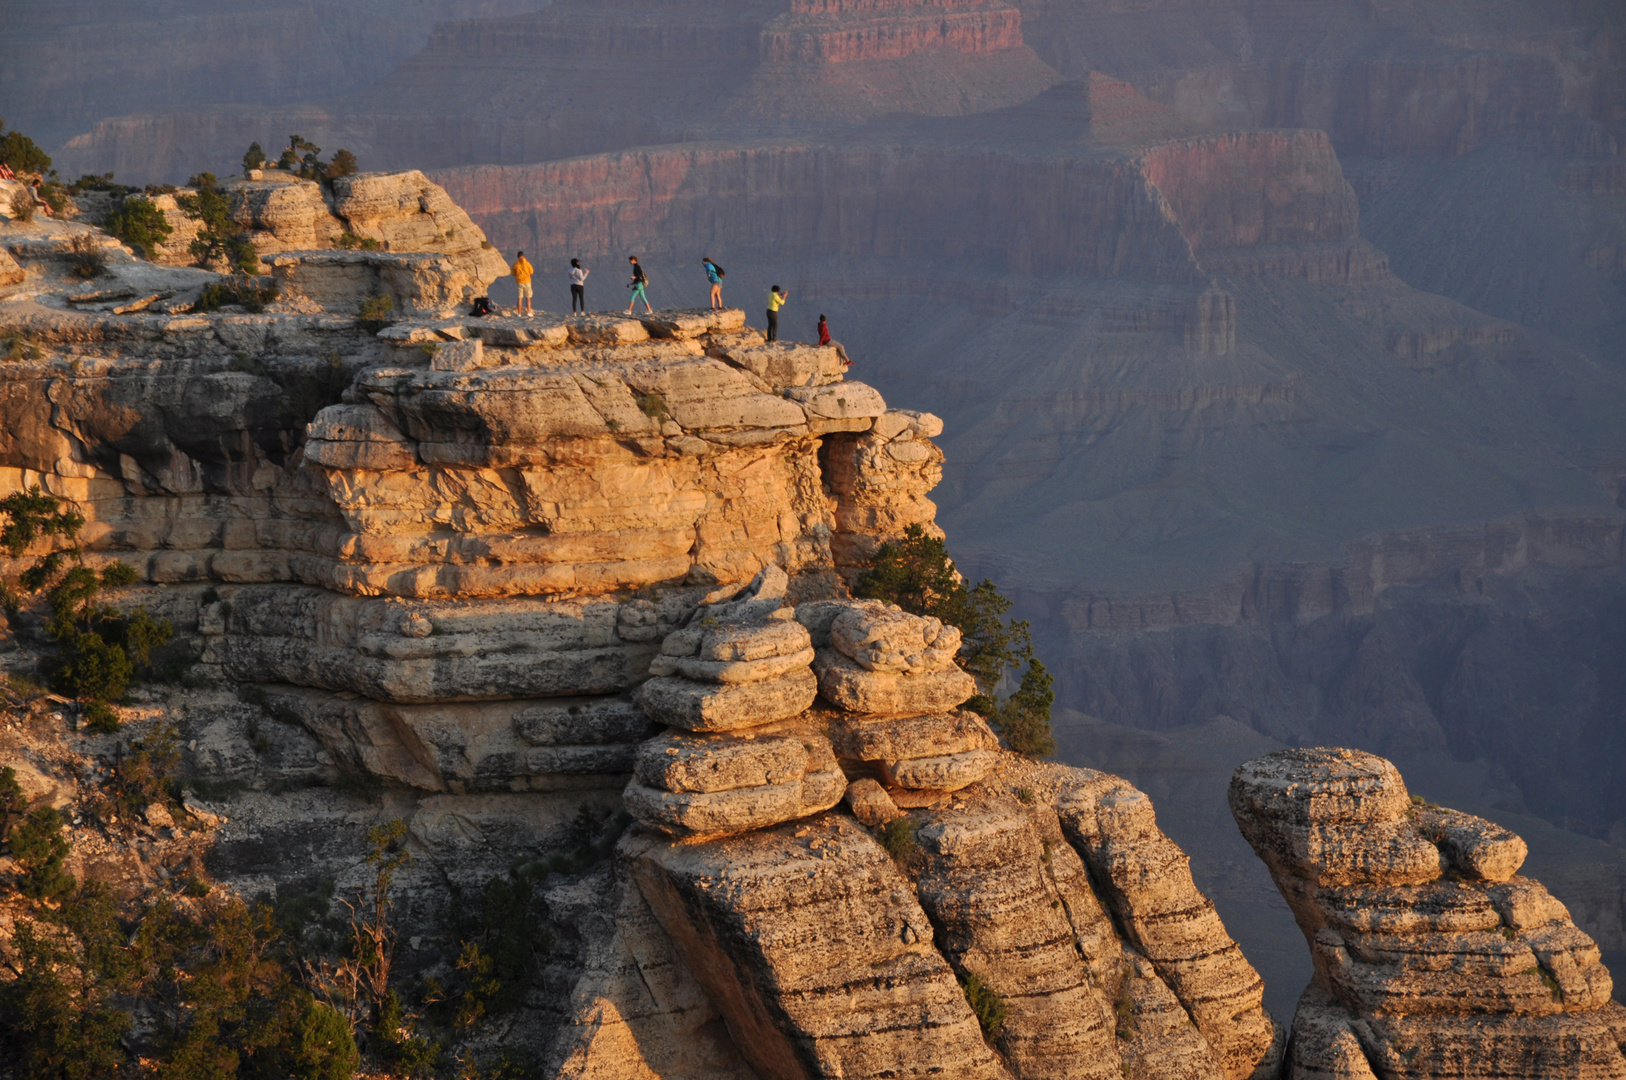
(578, 286)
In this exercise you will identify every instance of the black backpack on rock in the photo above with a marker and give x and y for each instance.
(481, 306)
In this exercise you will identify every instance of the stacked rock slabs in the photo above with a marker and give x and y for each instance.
(729, 685)
(893, 676)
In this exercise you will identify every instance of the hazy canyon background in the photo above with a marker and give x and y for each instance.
(1281, 346)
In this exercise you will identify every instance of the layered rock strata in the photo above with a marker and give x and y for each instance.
(493, 559)
(1433, 957)
(826, 957)
(726, 684)
(398, 213)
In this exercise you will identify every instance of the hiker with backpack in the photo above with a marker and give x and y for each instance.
(714, 274)
(776, 300)
(578, 286)
(640, 281)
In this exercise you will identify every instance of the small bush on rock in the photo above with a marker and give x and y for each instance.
(375, 311)
(343, 164)
(40, 850)
(22, 207)
(242, 291)
(221, 239)
(255, 158)
(349, 241)
(100, 647)
(12, 803)
(18, 350)
(139, 223)
(86, 259)
(986, 1003)
(21, 152)
(97, 182)
(917, 574)
(898, 838)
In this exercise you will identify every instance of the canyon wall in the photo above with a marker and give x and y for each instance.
(595, 77)
(1390, 81)
(1159, 216)
(65, 67)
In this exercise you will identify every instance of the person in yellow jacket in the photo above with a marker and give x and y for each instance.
(776, 300)
(522, 271)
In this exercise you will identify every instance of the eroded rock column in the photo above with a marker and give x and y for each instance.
(1433, 957)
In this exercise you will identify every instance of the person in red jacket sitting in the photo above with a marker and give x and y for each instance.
(824, 339)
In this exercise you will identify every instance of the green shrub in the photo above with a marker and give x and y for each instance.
(20, 349)
(255, 158)
(100, 718)
(499, 952)
(323, 1048)
(401, 1047)
(12, 803)
(349, 241)
(986, 1003)
(220, 237)
(22, 207)
(653, 404)
(22, 153)
(916, 573)
(898, 838)
(139, 223)
(41, 851)
(54, 1020)
(86, 259)
(243, 291)
(97, 182)
(147, 775)
(1123, 1006)
(99, 647)
(343, 164)
(375, 311)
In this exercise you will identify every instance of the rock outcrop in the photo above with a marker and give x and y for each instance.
(511, 563)
(1433, 957)
(374, 215)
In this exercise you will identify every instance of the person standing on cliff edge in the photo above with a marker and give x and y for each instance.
(522, 270)
(714, 274)
(824, 339)
(640, 281)
(776, 300)
(578, 286)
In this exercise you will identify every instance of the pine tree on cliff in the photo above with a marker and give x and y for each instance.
(917, 574)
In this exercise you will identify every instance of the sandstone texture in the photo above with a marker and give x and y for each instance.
(538, 573)
(391, 213)
(1433, 956)
(827, 957)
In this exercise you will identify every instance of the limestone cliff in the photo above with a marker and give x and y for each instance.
(518, 567)
(398, 213)
(1433, 957)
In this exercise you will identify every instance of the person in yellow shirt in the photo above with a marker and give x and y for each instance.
(776, 300)
(522, 271)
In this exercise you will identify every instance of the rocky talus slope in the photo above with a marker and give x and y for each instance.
(1433, 956)
(523, 569)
